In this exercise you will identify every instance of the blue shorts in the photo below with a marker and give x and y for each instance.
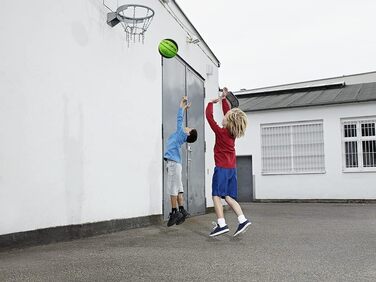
(225, 182)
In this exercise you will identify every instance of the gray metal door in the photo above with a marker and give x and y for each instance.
(196, 151)
(245, 178)
(179, 80)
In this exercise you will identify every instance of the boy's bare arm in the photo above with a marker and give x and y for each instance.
(225, 105)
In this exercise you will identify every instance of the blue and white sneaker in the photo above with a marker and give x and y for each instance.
(217, 230)
(242, 227)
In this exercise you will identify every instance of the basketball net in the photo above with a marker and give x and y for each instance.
(135, 20)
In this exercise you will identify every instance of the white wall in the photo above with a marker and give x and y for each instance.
(80, 114)
(334, 184)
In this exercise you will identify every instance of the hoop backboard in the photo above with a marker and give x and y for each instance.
(112, 5)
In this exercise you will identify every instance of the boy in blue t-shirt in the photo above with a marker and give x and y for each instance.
(174, 167)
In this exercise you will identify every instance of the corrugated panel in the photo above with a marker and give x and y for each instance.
(252, 103)
(327, 96)
(287, 100)
(273, 101)
(367, 92)
(306, 99)
(351, 93)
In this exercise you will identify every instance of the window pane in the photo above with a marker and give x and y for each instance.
(350, 130)
(369, 153)
(308, 148)
(368, 129)
(276, 149)
(351, 154)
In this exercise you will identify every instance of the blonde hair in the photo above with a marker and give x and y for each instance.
(237, 122)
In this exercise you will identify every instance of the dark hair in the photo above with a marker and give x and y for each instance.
(192, 137)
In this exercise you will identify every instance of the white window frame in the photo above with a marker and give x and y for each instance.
(359, 138)
(291, 124)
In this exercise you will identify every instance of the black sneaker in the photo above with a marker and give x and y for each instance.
(242, 227)
(184, 214)
(174, 218)
(219, 230)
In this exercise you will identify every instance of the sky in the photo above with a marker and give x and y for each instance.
(272, 42)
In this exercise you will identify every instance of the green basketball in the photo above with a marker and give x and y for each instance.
(168, 48)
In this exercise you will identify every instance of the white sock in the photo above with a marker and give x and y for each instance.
(221, 222)
(242, 219)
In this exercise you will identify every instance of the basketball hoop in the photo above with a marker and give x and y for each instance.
(135, 20)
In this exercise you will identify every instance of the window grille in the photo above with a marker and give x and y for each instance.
(291, 148)
(359, 144)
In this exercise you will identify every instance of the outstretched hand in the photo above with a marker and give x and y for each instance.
(224, 92)
(187, 106)
(184, 103)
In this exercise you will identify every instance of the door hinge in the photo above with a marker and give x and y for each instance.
(204, 146)
(162, 131)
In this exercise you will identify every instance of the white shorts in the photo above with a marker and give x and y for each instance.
(174, 183)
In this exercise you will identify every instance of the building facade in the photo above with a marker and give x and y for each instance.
(311, 142)
(82, 114)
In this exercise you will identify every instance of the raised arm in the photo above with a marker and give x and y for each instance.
(209, 116)
(180, 118)
(225, 105)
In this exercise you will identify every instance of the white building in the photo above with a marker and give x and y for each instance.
(311, 140)
(81, 117)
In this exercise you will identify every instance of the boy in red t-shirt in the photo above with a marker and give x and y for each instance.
(224, 183)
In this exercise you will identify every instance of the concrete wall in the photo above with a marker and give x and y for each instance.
(334, 184)
(80, 114)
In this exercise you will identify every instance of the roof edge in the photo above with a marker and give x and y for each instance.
(310, 106)
(305, 81)
(199, 35)
(293, 90)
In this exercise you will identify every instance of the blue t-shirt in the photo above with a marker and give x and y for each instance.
(175, 140)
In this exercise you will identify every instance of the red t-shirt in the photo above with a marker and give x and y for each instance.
(224, 149)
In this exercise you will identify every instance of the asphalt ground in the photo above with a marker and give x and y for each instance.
(286, 242)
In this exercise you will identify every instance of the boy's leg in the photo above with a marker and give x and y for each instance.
(218, 207)
(217, 190)
(221, 226)
(234, 205)
(243, 222)
(181, 204)
(174, 202)
(175, 215)
(172, 181)
(180, 198)
(230, 199)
